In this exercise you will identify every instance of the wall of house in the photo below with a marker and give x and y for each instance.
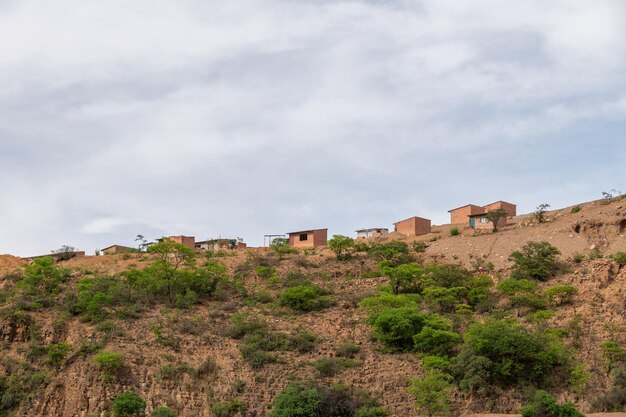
(413, 227)
(189, 241)
(314, 238)
(117, 249)
(511, 209)
(487, 225)
(320, 237)
(460, 215)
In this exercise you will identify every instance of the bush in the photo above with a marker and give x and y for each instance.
(431, 362)
(162, 412)
(454, 231)
(575, 209)
(281, 247)
(386, 300)
(578, 257)
(419, 247)
(394, 252)
(41, 281)
(312, 400)
(432, 393)
(57, 353)
(327, 366)
(536, 260)
(613, 353)
(128, 404)
(514, 286)
(544, 405)
(227, 408)
(620, 258)
(341, 245)
(302, 342)
(108, 364)
(560, 294)
(265, 272)
(347, 350)
(504, 353)
(304, 298)
(207, 367)
(435, 341)
(396, 327)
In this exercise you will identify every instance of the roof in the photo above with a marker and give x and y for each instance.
(120, 246)
(221, 239)
(371, 228)
(454, 209)
(500, 201)
(477, 214)
(414, 217)
(304, 231)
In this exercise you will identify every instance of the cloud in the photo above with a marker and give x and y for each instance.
(216, 118)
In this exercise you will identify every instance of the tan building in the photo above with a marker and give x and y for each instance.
(460, 215)
(113, 249)
(414, 226)
(373, 232)
(308, 238)
(189, 241)
(219, 244)
(511, 209)
(474, 216)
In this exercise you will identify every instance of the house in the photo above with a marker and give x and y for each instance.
(308, 238)
(113, 249)
(460, 215)
(475, 216)
(374, 232)
(413, 226)
(219, 244)
(189, 241)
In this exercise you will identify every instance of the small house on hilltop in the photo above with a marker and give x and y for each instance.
(219, 244)
(113, 249)
(308, 238)
(413, 226)
(476, 216)
(189, 241)
(373, 232)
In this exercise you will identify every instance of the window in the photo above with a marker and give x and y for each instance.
(484, 220)
(303, 237)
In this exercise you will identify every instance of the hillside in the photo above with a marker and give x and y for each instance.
(196, 353)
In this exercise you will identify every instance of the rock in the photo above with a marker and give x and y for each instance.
(592, 247)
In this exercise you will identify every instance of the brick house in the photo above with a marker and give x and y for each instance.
(189, 241)
(413, 226)
(218, 244)
(475, 216)
(113, 249)
(459, 215)
(373, 232)
(308, 238)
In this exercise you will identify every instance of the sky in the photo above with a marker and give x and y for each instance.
(244, 118)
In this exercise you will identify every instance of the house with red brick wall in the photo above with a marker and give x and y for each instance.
(460, 215)
(475, 216)
(413, 226)
(113, 249)
(308, 238)
(189, 241)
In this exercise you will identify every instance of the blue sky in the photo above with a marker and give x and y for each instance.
(242, 119)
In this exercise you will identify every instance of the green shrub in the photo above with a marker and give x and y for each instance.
(387, 300)
(436, 341)
(302, 342)
(620, 258)
(504, 353)
(405, 278)
(560, 294)
(535, 260)
(431, 362)
(265, 272)
(432, 393)
(228, 408)
(347, 350)
(281, 246)
(613, 353)
(304, 298)
(108, 363)
(419, 247)
(512, 286)
(162, 412)
(128, 404)
(544, 405)
(41, 281)
(575, 209)
(57, 353)
(371, 412)
(298, 400)
(396, 327)
(578, 257)
(341, 246)
(454, 231)
(207, 367)
(241, 325)
(327, 366)
(394, 252)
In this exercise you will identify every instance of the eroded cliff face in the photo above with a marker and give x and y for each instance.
(183, 358)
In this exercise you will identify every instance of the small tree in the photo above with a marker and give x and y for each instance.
(108, 364)
(544, 405)
(535, 260)
(162, 412)
(173, 253)
(128, 404)
(432, 393)
(142, 243)
(281, 246)
(64, 253)
(494, 216)
(341, 246)
(540, 212)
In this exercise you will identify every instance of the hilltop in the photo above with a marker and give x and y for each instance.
(209, 353)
